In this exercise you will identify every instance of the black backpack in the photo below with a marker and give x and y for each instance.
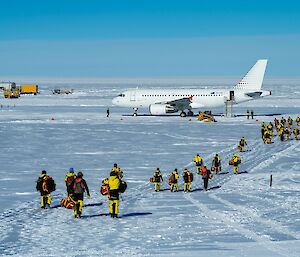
(51, 184)
(122, 187)
(39, 184)
(172, 178)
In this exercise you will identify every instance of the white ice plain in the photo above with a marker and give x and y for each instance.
(241, 215)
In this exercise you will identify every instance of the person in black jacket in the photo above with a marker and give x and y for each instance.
(79, 186)
(157, 179)
(45, 185)
(188, 179)
(205, 176)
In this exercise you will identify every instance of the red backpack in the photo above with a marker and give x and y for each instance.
(78, 187)
(204, 172)
(104, 189)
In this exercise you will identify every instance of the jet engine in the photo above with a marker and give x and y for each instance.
(158, 109)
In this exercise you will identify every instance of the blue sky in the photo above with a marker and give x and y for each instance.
(148, 37)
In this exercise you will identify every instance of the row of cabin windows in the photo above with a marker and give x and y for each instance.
(180, 95)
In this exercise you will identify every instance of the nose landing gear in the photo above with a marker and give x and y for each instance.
(135, 112)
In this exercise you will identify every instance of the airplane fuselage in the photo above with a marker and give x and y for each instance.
(199, 98)
(162, 101)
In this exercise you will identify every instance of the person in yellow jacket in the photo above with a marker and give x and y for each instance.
(296, 133)
(117, 170)
(113, 183)
(298, 121)
(236, 160)
(70, 176)
(188, 179)
(283, 121)
(157, 179)
(281, 133)
(279, 127)
(290, 122)
(199, 163)
(270, 128)
(267, 138)
(173, 180)
(242, 144)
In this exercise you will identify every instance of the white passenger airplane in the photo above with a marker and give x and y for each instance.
(163, 101)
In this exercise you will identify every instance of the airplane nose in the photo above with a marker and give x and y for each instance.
(115, 101)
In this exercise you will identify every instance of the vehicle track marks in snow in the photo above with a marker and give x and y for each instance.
(260, 239)
(245, 212)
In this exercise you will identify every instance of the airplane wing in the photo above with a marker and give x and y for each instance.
(179, 104)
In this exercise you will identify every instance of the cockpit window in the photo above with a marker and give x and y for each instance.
(121, 95)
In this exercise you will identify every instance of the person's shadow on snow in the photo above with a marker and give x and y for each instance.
(132, 214)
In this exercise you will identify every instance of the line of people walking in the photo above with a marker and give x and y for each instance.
(188, 177)
(283, 128)
(76, 187)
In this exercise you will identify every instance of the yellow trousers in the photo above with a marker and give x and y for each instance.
(78, 208)
(235, 169)
(187, 186)
(114, 207)
(216, 169)
(198, 169)
(157, 186)
(174, 185)
(45, 200)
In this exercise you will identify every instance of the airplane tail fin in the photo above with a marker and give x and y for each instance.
(254, 78)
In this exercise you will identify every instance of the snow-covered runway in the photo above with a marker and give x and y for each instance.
(240, 216)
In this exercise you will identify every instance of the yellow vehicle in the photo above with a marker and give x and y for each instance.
(29, 89)
(206, 117)
(11, 93)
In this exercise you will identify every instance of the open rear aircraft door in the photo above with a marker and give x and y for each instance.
(132, 95)
(231, 95)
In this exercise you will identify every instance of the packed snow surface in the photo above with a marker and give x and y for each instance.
(241, 215)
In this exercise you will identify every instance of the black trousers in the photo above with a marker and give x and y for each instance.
(205, 180)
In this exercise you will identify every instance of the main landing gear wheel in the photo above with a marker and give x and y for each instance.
(182, 114)
(190, 113)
